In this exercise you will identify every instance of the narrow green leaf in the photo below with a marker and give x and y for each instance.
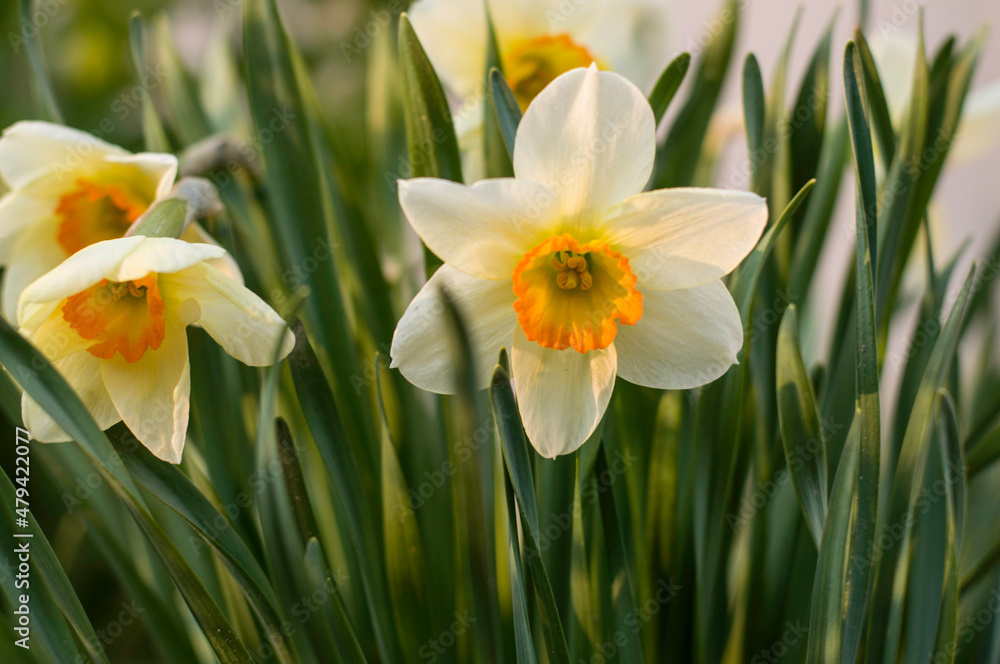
(508, 113)
(878, 107)
(866, 354)
(805, 449)
(518, 464)
(430, 132)
(753, 115)
(46, 386)
(41, 84)
(807, 118)
(668, 84)
(318, 573)
(826, 619)
(152, 129)
(524, 643)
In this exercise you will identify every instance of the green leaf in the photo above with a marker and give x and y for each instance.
(152, 129)
(496, 151)
(524, 643)
(953, 476)
(518, 465)
(430, 132)
(318, 573)
(878, 107)
(188, 121)
(47, 387)
(866, 354)
(668, 84)
(892, 565)
(677, 159)
(168, 484)
(753, 115)
(55, 614)
(301, 217)
(505, 106)
(805, 449)
(41, 85)
(354, 497)
(826, 618)
(807, 118)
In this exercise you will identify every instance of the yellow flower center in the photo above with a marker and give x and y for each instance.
(574, 295)
(531, 64)
(124, 317)
(94, 212)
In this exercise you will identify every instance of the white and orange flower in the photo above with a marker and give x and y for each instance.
(112, 320)
(575, 269)
(69, 190)
(537, 41)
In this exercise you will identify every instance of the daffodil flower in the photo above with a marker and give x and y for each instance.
(537, 41)
(575, 269)
(112, 317)
(69, 190)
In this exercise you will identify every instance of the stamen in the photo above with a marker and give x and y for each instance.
(571, 271)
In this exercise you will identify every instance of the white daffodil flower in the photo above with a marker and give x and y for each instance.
(575, 269)
(112, 317)
(537, 40)
(979, 129)
(68, 190)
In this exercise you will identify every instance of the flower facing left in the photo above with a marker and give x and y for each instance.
(112, 318)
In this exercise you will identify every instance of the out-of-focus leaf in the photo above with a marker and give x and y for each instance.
(807, 118)
(676, 160)
(805, 451)
(318, 574)
(152, 129)
(41, 85)
(188, 121)
(667, 85)
(953, 477)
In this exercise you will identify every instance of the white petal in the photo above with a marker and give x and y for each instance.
(515, 20)
(34, 252)
(117, 260)
(153, 394)
(682, 238)
(590, 137)
(684, 339)
(422, 347)
(195, 234)
(453, 33)
(483, 230)
(20, 210)
(468, 120)
(31, 150)
(243, 324)
(562, 394)
(83, 373)
(630, 37)
(158, 168)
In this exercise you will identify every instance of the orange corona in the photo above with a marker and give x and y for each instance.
(574, 295)
(94, 212)
(123, 317)
(531, 64)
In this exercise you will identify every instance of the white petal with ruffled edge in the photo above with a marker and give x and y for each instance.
(684, 339)
(152, 395)
(243, 324)
(83, 373)
(686, 237)
(424, 350)
(483, 230)
(590, 137)
(562, 394)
